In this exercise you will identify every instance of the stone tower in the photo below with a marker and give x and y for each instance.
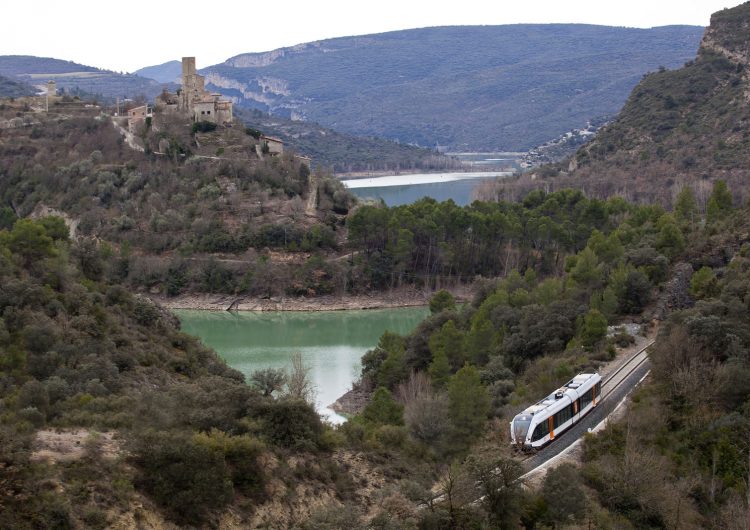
(197, 102)
(192, 84)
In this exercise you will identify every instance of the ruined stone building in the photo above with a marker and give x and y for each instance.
(197, 102)
(137, 116)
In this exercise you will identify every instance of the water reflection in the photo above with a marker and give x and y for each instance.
(331, 343)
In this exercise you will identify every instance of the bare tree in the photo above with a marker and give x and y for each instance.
(426, 417)
(417, 385)
(298, 383)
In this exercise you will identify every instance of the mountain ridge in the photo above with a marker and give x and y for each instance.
(489, 87)
(76, 77)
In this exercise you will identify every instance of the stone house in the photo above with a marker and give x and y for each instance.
(275, 145)
(137, 116)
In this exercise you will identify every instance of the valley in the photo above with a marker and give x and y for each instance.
(216, 316)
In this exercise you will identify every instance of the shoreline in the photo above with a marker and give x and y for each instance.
(386, 300)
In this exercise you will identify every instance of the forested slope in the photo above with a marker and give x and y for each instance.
(344, 153)
(114, 418)
(677, 460)
(470, 88)
(10, 88)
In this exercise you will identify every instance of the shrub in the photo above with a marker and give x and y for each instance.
(241, 453)
(594, 329)
(187, 478)
(290, 423)
(704, 284)
(383, 409)
(442, 301)
(203, 127)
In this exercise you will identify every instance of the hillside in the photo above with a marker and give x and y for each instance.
(469, 88)
(688, 124)
(344, 153)
(168, 72)
(114, 418)
(685, 126)
(11, 88)
(77, 78)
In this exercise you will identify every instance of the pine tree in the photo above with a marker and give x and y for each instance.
(686, 207)
(468, 404)
(440, 369)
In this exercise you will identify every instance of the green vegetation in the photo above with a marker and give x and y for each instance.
(150, 418)
(678, 127)
(166, 214)
(77, 351)
(203, 126)
(683, 462)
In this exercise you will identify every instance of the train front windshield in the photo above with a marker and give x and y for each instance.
(521, 426)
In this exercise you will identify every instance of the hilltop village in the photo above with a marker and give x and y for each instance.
(203, 111)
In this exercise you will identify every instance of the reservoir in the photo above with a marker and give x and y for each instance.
(331, 342)
(396, 190)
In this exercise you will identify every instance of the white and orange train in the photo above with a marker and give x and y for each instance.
(541, 423)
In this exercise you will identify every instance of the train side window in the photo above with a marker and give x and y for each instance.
(586, 398)
(540, 431)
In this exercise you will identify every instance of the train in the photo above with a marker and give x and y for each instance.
(542, 422)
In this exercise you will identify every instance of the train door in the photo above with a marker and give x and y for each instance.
(551, 423)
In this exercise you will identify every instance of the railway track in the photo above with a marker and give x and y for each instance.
(613, 392)
(616, 378)
(614, 389)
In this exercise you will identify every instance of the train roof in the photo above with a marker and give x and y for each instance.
(568, 389)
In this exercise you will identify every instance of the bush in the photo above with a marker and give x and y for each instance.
(442, 301)
(187, 478)
(594, 329)
(383, 409)
(291, 423)
(203, 127)
(704, 284)
(241, 453)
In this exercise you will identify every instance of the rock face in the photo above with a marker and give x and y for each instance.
(676, 293)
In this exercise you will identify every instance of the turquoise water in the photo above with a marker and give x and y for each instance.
(331, 342)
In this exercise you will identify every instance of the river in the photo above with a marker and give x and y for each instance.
(396, 190)
(331, 342)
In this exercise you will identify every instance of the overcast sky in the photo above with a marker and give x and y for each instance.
(125, 36)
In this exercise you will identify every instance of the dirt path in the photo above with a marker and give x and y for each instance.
(129, 138)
